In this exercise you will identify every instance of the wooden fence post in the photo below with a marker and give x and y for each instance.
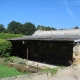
(27, 57)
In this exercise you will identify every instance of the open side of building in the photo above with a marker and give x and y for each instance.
(59, 47)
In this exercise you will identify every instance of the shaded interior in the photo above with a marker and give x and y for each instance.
(51, 52)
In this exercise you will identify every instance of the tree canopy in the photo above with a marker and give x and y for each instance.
(45, 27)
(2, 29)
(17, 28)
(27, 28)
(14, 27)
(76, 27)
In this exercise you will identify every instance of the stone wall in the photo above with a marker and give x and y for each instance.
(76, 54)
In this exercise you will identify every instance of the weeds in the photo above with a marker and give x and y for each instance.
(52, 71)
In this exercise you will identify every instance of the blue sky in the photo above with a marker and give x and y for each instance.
(53, 13)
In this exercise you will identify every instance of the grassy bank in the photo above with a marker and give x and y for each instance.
(17, 66)
(9, 72)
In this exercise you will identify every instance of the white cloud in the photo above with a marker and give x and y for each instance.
(68, 9)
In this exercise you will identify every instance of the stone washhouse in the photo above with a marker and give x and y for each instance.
(57, 47)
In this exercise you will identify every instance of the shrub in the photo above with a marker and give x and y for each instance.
(8, 35)
(5, 47)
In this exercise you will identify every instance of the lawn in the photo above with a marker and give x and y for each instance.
(9, 72)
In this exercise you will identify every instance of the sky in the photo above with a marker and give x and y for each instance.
(54, 13)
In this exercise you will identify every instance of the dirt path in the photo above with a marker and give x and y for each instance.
(69, 73)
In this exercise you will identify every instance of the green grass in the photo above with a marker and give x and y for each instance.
(52, 71)
(9, 72)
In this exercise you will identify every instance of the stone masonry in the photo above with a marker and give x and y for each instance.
(76, 54)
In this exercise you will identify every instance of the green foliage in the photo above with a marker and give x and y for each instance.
(76, 27)
(14, 27)
(17, 60)
(2, 29)
(52, 71)
(45, 27)
(8, 35)
(28, 28)
(12, 59)
(9, 72)
(5, 47)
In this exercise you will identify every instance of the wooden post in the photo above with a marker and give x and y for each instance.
(27, 57)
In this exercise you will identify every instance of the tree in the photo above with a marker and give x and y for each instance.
(76, 27)
(62, 29)
(14, 27)
(50, 28)
(40, 27)
(2, 29)
(28, 28)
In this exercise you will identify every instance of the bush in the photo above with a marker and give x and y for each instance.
(8, 35)
(5, 47)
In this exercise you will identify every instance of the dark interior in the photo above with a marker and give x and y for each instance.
(51, 52)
